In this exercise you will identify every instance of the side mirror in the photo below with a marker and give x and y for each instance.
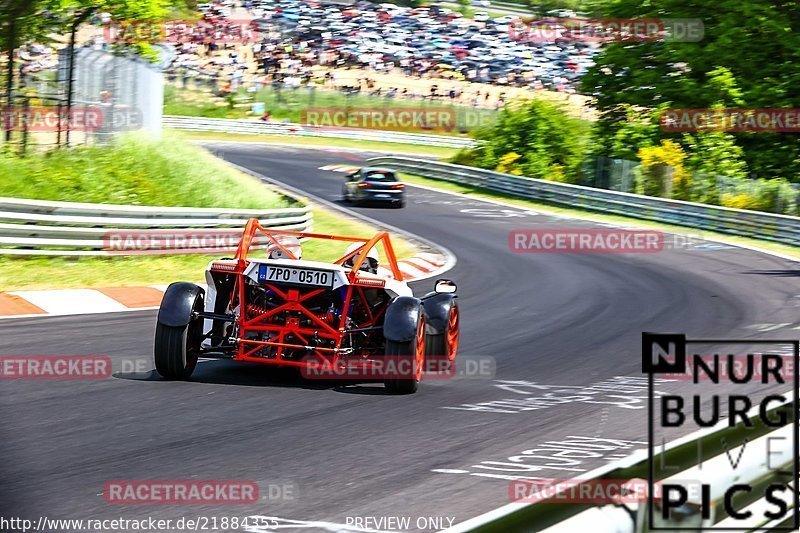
(444, 286)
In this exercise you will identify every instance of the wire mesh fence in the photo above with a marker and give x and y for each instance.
(101, 95)
(777, 196)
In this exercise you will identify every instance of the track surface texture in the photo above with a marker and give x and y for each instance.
(353, 451)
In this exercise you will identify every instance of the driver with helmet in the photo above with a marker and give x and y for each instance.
(371, 262)
(292, 244)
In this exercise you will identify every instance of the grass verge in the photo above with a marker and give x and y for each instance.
(35, 273)
(136, 170)
(142, 171)
(394, 148)
(746, 242)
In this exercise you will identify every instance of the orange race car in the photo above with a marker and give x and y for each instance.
(349, 318)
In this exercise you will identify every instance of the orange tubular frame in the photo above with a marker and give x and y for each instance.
(382, 237)
(251, 320)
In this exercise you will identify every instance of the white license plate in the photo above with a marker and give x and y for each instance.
(296, 276)
(381, 196)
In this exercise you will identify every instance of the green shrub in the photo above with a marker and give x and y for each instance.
(742, 200)
(778, 196)
(550, 143)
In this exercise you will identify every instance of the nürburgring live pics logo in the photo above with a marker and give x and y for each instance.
(721, 380)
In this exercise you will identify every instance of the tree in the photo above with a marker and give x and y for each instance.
(24, 21)
(545, 142)
(21, 21)
(741, 61)
(465, 8)
(714, 156)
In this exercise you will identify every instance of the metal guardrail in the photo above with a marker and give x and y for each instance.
(756, 224)
(36, 227)
(299, 130)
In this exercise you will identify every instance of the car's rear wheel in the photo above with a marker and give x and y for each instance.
(408, 360)
(177, 348)
(441, 349)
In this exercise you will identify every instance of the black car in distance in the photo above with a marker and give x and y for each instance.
(374, 185)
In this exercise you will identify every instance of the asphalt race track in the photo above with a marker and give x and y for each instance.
(553, 319)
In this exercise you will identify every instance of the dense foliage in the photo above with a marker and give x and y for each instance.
(535, 139)
(747, 58)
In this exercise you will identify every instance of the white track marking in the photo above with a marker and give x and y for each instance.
(431, 258)
(71, 301)
(340, 168)
(410, 271)
(763, 328)
(420, 264)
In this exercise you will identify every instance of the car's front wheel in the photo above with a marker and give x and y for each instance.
(177, 342)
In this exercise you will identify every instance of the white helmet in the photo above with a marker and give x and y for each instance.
(370, 264)
(290, 243)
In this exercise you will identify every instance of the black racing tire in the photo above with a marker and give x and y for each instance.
(412, 351)
(176, 349)
(434, 349)
(441, 349)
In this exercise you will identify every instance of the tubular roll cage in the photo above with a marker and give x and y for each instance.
(252, 319)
